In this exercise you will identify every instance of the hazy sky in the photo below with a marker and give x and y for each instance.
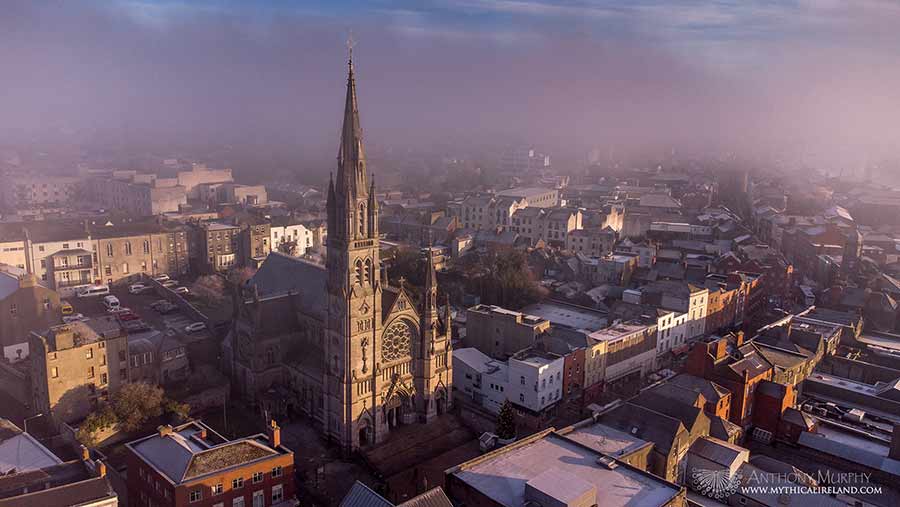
(822, 74)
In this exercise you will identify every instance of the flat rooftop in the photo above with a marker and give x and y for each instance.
(571, 316)
(502, 475)
(618, 331)
(605, 439)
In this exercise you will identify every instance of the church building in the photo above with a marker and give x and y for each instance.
(338, 342)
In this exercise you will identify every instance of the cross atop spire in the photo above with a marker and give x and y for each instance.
(351, 177)
(350, 44)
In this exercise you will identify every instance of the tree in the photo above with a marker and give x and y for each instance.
(94, 422)
(209, 288)
(503, 277)
(136, 403)
(288, 248)
(506, 421)
(239, 276)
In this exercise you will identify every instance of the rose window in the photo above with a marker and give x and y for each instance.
(396, 342)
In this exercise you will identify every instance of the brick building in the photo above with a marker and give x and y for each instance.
(193, 465)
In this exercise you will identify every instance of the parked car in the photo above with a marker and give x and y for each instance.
(119, 309)
(196, 327)
(66, 308)
(166, 308)
(161, 278)
(138, 288)
(180, 290)
(134, 326)
(170, 283)
(156, 303)
(111, 303)
(94, 290)
(126, 316)
(78, 317)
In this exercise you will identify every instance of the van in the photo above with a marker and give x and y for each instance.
(94, 290)
(66, 308)
(111, 302)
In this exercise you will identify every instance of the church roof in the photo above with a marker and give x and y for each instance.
(282, 274)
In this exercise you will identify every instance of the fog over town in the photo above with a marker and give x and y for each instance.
(449, 253)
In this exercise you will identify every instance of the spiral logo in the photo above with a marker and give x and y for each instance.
(717, 484)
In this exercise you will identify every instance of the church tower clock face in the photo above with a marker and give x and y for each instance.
(395, 344)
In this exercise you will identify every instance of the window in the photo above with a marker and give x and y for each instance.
(90, 372)
(109, 249)
(13, 310)
(259, 499)
(128, 248)
(237, 483)
(522, 380)
(89, 353)
(521, 397)
(238, 502)
(218, 489)
(125, 268)
(196, 495)
(276, 472)
(146, 246)
(107, 270)
(277, 493)
(104, 379)
(257, 477)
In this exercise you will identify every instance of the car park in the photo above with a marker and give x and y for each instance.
(138, 288)
(196, 327)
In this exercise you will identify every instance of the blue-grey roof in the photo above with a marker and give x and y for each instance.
(282, 274)
(361, 495)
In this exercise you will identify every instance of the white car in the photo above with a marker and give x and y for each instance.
(170, 283)
(138, 288)
(161, 278)
(78, 317)
(195, 327)
(180, 290)
(119, 309)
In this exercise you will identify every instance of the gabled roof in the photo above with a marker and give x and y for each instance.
(282, 274)
(432, 498)
(361, 495)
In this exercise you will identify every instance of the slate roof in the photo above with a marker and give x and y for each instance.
(361, 495)
(431, 498)
(717, 451)
(645, 424)
(282, 274)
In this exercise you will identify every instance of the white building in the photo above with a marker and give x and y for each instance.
(531, 379)
(282, 232)
(672, 327)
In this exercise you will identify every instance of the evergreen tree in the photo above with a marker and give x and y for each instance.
(506, 421)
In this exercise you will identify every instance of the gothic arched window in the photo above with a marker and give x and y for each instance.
(368, 272)
(128, 248)
(362, 220)
(359, 271)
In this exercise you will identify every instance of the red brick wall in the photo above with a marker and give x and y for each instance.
(180, 496)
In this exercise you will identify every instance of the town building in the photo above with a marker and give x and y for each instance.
(192, 465)
(126, 250)
(32, 474)
(683, 297)
(23, 192)
(591, 242)
(25, 305)
(76, 366)
(355, 353)
(499, 332)
(551, 225)
(290, 236)
(137, 194)
(69, 271)
(215, 246)
(550, 469)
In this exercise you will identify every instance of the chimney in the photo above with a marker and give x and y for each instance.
(165, 430)
(739, 338)
(101, 469)
(894, 451)
(274, 434)
(85, 453)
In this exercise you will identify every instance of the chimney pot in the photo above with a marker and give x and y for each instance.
(85, 453)
(101, 469)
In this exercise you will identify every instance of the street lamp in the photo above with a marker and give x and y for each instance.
(25, 422)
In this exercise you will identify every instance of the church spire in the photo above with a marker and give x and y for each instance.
(351, 157)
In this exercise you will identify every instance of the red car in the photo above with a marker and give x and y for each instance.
(126, 316)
